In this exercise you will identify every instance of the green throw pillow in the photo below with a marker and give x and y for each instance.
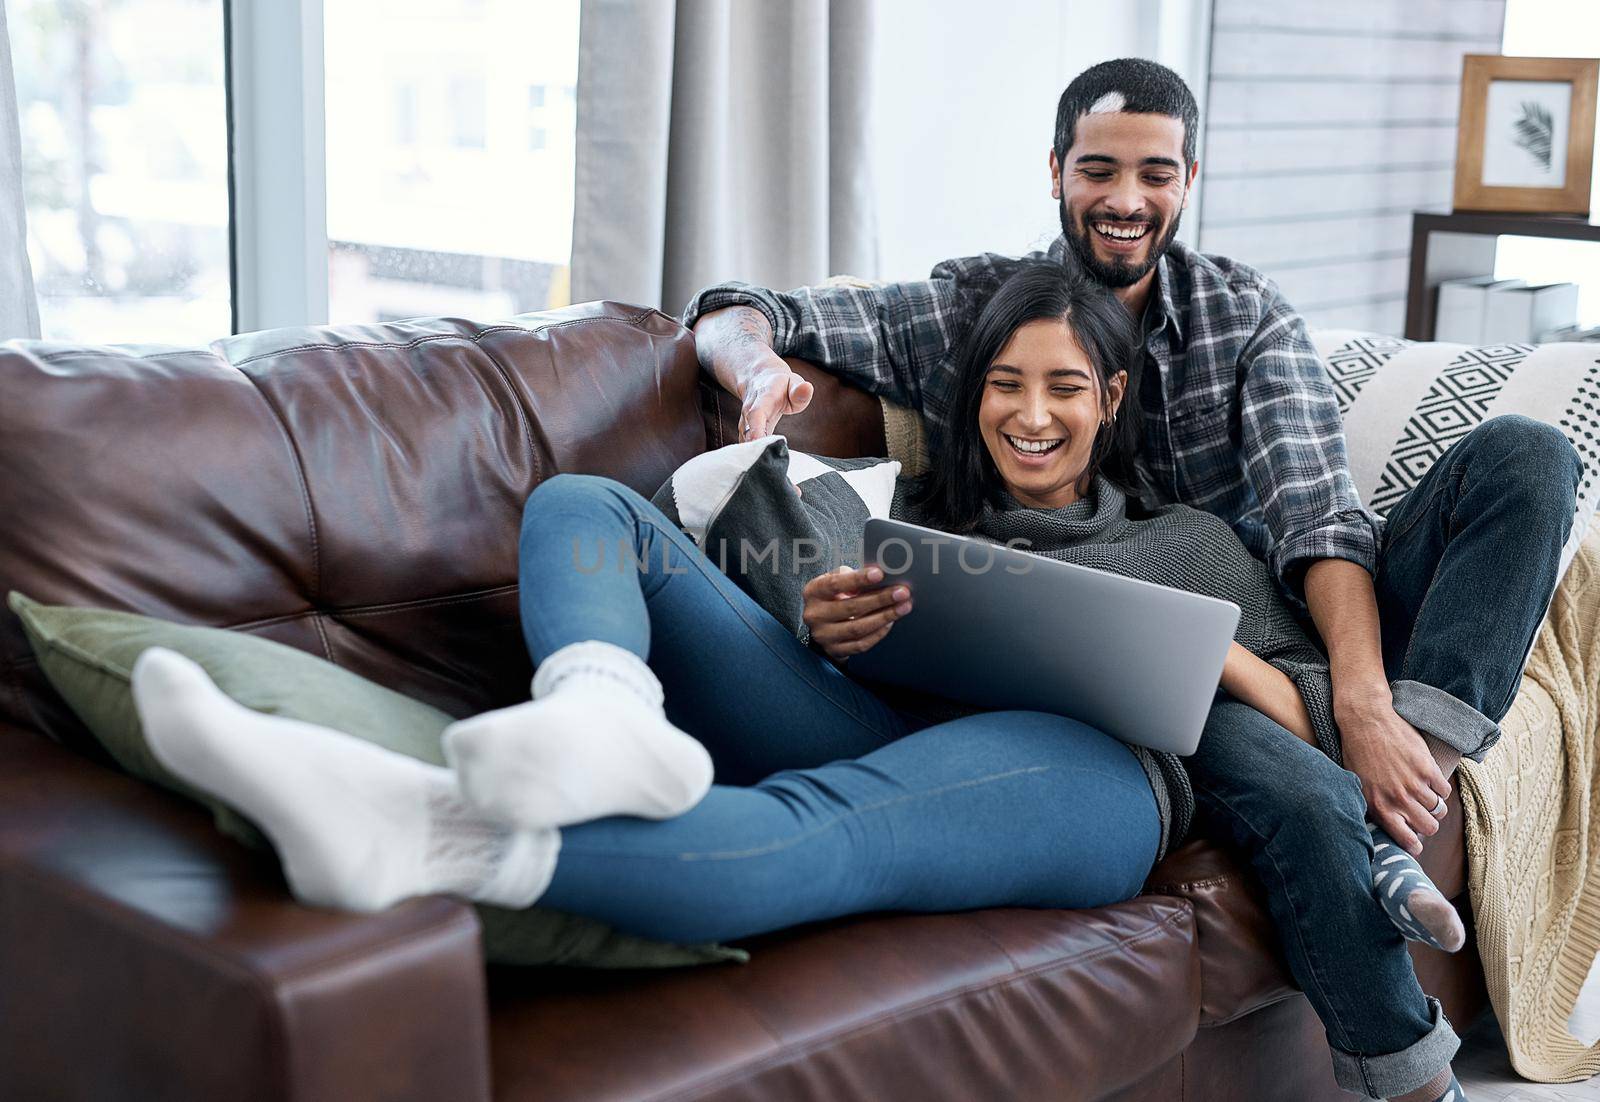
(88, 655)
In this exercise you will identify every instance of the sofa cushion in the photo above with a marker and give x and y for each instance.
(146, 957)
(1405, 403)
(772, 519)
(985, 1004)
(88, 655)
(353, 491)
(1242, 968)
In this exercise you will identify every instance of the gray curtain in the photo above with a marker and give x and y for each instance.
(19, 309)
(721, 139)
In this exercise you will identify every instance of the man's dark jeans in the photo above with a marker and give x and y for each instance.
(1466, 572)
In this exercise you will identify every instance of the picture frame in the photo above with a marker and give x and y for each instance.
(1525, 138)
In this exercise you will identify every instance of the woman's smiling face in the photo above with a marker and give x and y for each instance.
(1042, 405)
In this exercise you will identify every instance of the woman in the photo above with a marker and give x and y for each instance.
(595, 796)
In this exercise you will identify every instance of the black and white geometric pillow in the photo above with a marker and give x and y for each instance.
(1353, 361)
(1405, 403)
(772, 519)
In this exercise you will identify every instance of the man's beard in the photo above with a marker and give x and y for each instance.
(1116, 273)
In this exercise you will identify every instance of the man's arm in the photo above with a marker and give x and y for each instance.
(1325, 551)
(1294, 453)
(735, 345)
(888, 339)
(1399, 777)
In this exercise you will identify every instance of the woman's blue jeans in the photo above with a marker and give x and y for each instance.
(828, 802)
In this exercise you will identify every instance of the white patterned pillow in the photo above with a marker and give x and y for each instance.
(773, 519)
(1405, 402)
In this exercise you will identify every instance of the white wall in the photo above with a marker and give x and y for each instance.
(965, 96)
(966, 100)
(1328, 126)
(1555, 28)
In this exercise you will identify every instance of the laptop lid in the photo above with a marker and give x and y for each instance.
(1002, 628)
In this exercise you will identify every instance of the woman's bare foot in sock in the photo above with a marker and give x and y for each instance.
(594, 742)
(356, 826)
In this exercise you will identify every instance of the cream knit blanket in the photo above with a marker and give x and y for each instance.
(1533, 837)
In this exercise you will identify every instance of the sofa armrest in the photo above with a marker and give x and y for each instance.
(143, 955)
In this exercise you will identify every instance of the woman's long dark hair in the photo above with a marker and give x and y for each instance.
(961, 475)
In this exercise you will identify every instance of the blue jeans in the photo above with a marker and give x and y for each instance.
(829, 801)
(1465, 575)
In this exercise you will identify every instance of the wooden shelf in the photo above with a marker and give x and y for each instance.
(1468, 256)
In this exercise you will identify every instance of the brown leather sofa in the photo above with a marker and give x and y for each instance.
(356, 492)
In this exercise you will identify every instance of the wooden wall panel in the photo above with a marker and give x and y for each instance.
(1310, 148)
(1327, 125)
(1268, 246)
(1348, 57)
(1474, 18)
(1291, 104)
(1354, 188)
(1314, 286)
(1383, 316)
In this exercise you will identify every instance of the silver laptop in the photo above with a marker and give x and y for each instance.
(1002, 628)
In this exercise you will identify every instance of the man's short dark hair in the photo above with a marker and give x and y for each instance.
(1145, 87)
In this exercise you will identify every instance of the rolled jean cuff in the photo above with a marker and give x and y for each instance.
(1444, 717)
(1399, 1072)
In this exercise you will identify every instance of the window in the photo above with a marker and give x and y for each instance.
(405, 113)
(447, 135)
(466, 208)
(1554, 28)
(125, 166)
(538, 119)
(468, 111)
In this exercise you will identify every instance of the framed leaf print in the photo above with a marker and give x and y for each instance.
(1525, 138)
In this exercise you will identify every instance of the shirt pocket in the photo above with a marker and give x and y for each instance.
(1205, 443)
(1202, 410)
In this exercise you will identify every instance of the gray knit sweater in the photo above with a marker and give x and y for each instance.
(1177, 546)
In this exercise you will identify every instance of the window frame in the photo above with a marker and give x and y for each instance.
(277, 163)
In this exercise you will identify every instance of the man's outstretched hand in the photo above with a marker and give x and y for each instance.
(735, 345)
(769, 395)
(1398, 775)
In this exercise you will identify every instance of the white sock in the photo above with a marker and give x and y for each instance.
(593, 742)
(356, 826)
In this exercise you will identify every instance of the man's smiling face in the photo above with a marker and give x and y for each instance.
(1122, 187)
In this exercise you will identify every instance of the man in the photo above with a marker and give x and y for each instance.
(1419, 615)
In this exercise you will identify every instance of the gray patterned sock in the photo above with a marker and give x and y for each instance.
(1410, 899)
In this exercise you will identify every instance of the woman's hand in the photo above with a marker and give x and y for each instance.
(1268, 690)
(843, 619)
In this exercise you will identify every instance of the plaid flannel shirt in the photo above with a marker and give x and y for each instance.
(1240, 418)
